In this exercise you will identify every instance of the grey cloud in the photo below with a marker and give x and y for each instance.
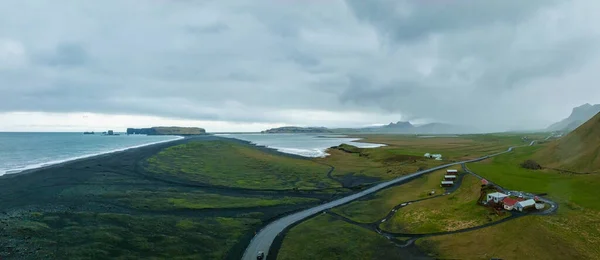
(66, 55)
(407, 20)
(212, 28)
(469, 62)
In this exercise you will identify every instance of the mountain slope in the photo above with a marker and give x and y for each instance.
(578, 116)
(579, 151)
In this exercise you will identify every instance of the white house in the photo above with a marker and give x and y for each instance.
(447, 183)
(449, 177)
(428, 155)
(437, 156)
(496, 197)
(522, 205)
(451, 172)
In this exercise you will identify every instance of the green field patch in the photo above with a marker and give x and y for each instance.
(230, 163)
(506, 171)
(456, 211)
(169, 200)
(324, 237)
(120, 236)
(376, 207)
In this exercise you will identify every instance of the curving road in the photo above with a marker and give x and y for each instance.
(265, 237)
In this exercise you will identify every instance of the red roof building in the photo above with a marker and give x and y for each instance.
(509, 203)
(484, 182)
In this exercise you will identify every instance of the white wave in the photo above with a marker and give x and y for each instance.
(315, 153)
(45, 164)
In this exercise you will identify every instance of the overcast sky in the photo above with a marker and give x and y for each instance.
(246, 65)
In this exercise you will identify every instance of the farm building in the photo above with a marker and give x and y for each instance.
(496, 197)
(428, 155)
(509, 203)
(539, 205)
(437, 157)
(526, 204)
(447, 183)
(451, 172)
(449, 177)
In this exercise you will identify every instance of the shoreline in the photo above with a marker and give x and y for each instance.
(55, 163)
(314, 153)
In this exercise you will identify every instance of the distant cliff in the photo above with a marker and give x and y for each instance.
(295, 129)
(578, 116)
(161, 130)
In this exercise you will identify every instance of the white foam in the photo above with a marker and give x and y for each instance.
(44, 164)
(305, 152)
(315, 153)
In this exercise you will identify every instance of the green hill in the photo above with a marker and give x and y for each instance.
(579, 151)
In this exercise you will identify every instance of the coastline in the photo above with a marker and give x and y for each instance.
(79, 189)
(307, 153)
(57, 163)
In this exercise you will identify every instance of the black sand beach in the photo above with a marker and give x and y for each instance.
(109, 206)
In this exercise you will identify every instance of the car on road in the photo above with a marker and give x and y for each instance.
(260, 255)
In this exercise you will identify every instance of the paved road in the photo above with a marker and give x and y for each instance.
(265, 237)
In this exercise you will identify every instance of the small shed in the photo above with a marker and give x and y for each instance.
(509, 203)
(496, 197)
(449, 177)
(526, 204)
(447, 183)
(437, 156)
(484, 182)
(539, 205)
(451, 172)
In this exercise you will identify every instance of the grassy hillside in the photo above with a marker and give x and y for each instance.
(579, 151)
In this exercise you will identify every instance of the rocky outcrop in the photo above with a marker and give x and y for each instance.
(578, 117)
(400, 125)
(161, 130)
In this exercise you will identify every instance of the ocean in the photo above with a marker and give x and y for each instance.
(24, 151)
(307, 145)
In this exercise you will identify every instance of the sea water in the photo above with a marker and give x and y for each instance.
(24, 151)
(307, 145)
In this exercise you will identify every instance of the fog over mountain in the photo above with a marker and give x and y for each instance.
(236, 65)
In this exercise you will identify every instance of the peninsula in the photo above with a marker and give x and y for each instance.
(161, 130)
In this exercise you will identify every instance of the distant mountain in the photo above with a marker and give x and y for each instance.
(578, 151)
(578, 116)
(296, 129)
(400, 127)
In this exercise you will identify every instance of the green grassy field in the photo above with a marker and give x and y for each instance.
(233, 164)
(452, 148)
(373, 208)
(164, 199)
(324, 237)
(404, 153)
(120, 236)
(456, 211)
(380, 163)
(565, 188)
(573, 233)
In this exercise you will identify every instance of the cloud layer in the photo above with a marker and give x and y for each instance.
(497, 64)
